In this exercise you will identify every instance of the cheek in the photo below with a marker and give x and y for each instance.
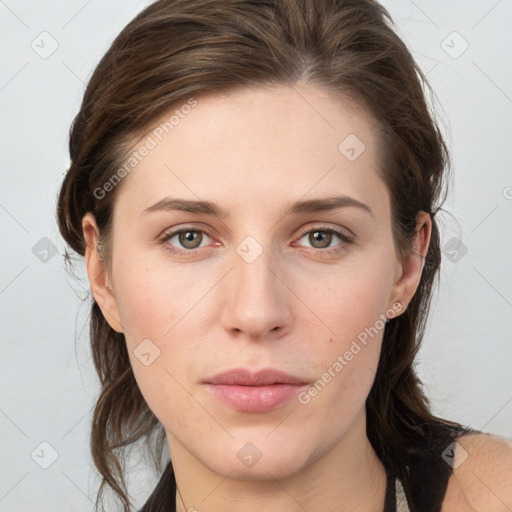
(346, 368)
(350, 301)
(156, 307)
(150, 301)
(353, 306)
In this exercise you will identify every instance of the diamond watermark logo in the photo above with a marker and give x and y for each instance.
(45, 45)
(44, 250)
(249, 249)
(351, 147)
(454, 45)
(249, 455)
(146, 352)
(454, 249)
(44, 455)
(454, 455)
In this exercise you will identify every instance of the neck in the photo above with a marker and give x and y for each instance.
(350, 477)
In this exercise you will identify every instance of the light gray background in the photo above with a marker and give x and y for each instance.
(48, 385)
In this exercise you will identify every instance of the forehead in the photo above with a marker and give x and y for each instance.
(252, 147)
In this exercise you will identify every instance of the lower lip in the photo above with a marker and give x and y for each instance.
(254, 398)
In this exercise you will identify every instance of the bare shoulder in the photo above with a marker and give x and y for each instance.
(482, 475)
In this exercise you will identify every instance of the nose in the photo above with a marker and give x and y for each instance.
(257, 301)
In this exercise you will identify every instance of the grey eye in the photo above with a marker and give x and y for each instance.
(190, 239)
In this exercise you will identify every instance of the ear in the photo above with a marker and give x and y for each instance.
(412, 267)
(98, 274)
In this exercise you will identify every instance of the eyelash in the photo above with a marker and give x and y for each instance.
(324, 252)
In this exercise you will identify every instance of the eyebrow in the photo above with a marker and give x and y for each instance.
(300, 207)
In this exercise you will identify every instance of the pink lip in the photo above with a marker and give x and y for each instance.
(254, 392)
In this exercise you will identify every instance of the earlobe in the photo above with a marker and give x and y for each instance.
(98, 273)
(412, 266)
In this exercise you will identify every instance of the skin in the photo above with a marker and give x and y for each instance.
(483, 481)
(253, 152)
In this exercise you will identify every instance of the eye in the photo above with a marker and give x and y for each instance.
(322, 237)
(187, 239)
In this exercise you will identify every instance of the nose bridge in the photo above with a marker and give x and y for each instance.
(256, 300)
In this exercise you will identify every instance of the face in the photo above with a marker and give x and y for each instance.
(294, 271)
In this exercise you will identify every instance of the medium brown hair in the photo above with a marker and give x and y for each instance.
(176, 49)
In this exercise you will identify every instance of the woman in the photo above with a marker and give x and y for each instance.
(254, 188)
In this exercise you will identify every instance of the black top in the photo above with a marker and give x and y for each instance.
(424, 478)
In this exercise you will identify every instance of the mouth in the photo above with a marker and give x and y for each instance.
(257, 392)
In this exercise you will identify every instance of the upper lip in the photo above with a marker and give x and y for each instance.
(264, 377)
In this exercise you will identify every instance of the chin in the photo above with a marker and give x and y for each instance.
(260, 460)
